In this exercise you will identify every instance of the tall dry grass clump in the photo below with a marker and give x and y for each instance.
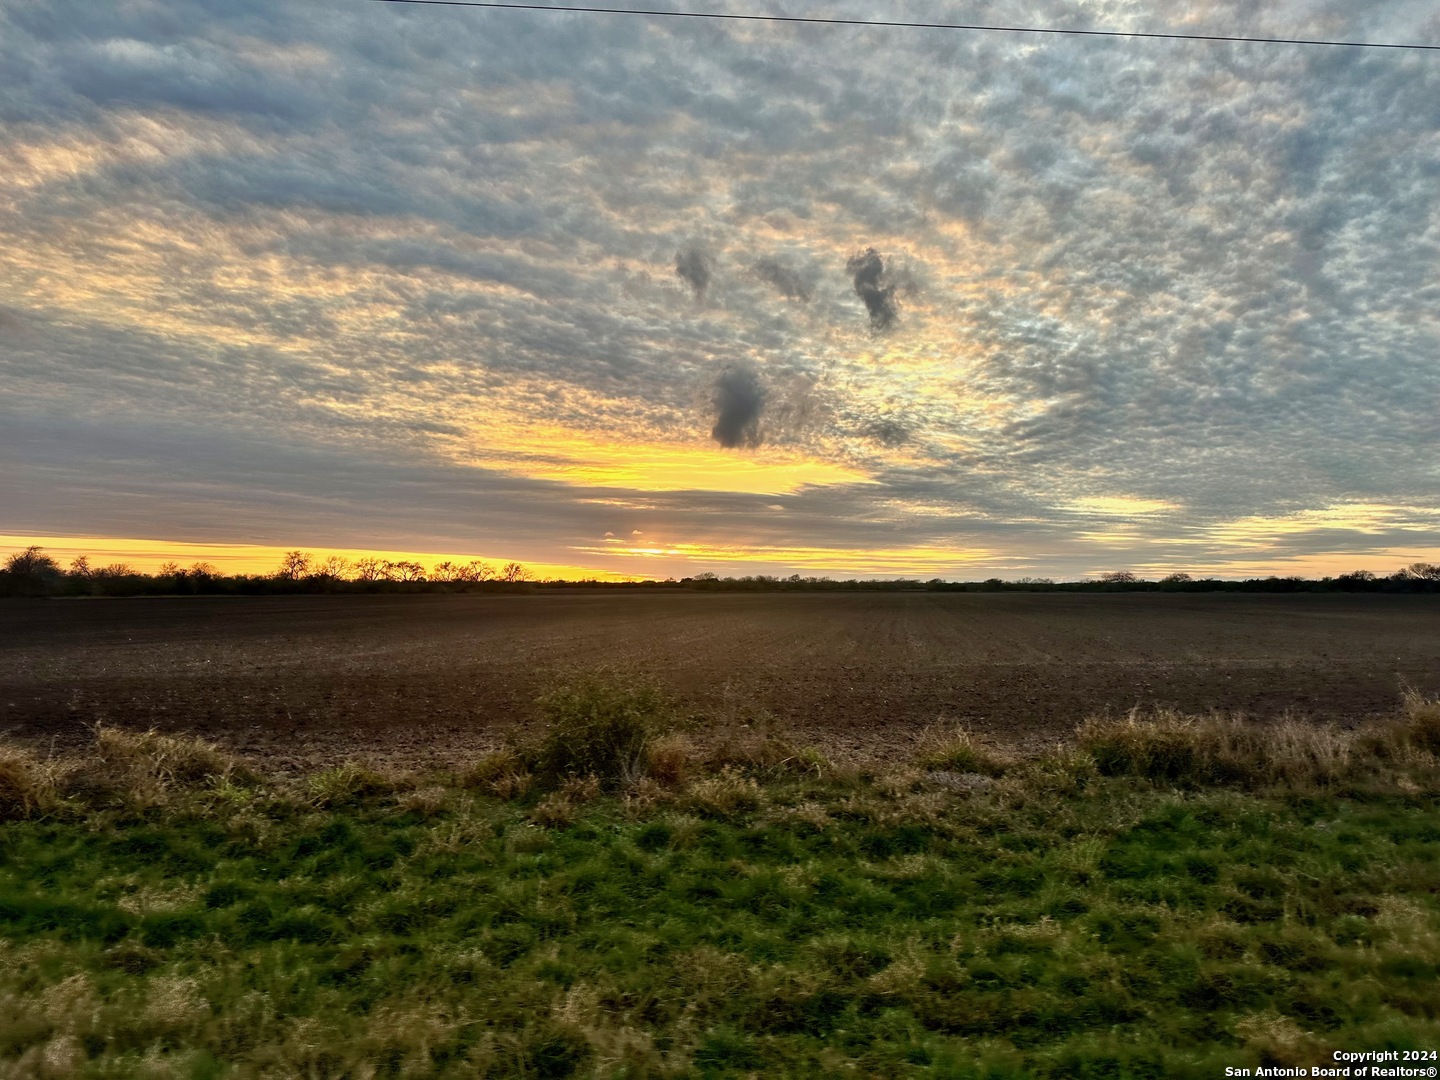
(1171, 747)
(122, 769)
(143, 769)
(758, 751)
(27, 784)
(502, 773)
(353, 784)
(1419, 725)
(956, 749)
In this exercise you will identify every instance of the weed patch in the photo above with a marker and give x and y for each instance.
(599, 725)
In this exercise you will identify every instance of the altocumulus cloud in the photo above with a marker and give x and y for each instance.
(440, 249)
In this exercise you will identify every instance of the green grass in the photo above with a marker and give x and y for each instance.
(1055, 923)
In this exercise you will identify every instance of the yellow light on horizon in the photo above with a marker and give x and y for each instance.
(148, 555)
(921, 559)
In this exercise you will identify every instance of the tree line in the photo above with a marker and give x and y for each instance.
(298, 566)
(33, 572)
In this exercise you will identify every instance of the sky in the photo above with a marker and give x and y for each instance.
(635, 297)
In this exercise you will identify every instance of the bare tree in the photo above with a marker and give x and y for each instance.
(408, 571)
(475, 570)
(295, 565)
(513, 572)
(333, 568)
(446, 571)
(1422, 571)
(1120, 577)
(368, 569)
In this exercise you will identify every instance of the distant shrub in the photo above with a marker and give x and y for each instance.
(599, 724)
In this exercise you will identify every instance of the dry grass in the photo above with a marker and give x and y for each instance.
(759, 751)
(138, 770)
(671, 760)
(426, 802)
(352, 783)
(563, 808)
(956, 749)
(716, 774)
(727, 793)
(501, 773)
(1420, 723)
(1230, 751)
(27, 784)
(1225, 750)
(123, 769)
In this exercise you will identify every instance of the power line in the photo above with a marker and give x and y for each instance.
(896, 23)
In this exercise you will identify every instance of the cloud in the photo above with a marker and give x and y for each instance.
(739, 398)
(875, 286)
(695, 266)
(887, 431)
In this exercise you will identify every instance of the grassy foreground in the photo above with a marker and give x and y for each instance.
(1163, 898)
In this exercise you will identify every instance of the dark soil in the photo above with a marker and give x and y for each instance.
(428, 679)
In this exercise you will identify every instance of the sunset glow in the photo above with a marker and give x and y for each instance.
(643, 299)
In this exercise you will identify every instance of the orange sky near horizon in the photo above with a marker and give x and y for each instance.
(637, 562)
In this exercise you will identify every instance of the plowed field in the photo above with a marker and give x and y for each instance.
(425, 678)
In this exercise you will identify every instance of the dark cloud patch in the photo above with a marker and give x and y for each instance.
(887, 431)
(739, 399)
(695, 266)
(875, 286)
(787, 280)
